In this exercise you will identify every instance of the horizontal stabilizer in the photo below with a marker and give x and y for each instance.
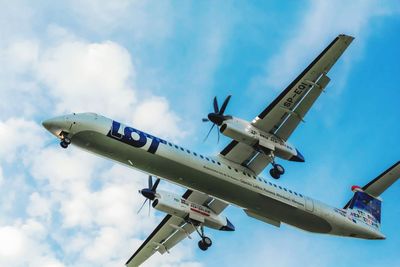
(378, 185)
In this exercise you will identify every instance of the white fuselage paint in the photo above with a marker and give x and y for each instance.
(214, 176)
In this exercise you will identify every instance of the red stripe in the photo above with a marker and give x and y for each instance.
(199, 211)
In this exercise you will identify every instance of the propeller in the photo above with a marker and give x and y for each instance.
(217, 117)
(149, 193)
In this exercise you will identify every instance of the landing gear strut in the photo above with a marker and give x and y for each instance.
(65, 141)
(205, 241)
(277, 169)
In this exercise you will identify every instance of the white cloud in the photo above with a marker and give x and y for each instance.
(1, 175)
(20, 138)
(20, 56)
(144, 20)
(39, 206)
(154, 115)
(23, 244)
(89, 77)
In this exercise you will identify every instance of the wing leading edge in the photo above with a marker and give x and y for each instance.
(172, 230)
(284, 114)
(379, 185)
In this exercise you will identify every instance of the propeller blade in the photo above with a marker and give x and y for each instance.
(209, 132)
(150, 181)
(141, 207)
(223, 107)
(215, 105)
(205, 120)
(155, 185)
(218, 136)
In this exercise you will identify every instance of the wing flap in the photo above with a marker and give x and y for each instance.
(277, 112)
(298, 114)
(285, 113)
(158, 236)
(172, 229)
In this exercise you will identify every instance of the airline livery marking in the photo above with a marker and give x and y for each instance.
(134, 137)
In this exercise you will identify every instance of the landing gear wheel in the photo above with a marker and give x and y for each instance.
(67, 140)
(207, 241)
(279, 169)
(274, 174)
(202, 245)
(64, 144)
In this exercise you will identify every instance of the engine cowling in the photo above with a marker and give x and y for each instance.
(239, 131)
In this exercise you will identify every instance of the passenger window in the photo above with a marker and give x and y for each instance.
(169, 144)
(177, 147)
(300, 195)
(274, 185)
(236, 170)
(213, 161)
(207, 159)
(290, 191)
(201, 156)
(285, 189)
(194, 153)
(188, 151)
(229, 167)
(182, 149)
(218, 163)
(295, 193)
(280, 187)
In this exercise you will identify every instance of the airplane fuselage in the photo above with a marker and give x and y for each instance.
(215, 176)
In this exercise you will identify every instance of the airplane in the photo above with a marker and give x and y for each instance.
(231, 177)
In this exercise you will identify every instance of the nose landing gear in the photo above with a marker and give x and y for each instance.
(65, 141)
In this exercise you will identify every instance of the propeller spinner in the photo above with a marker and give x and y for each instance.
(150, 192)
(217, 117)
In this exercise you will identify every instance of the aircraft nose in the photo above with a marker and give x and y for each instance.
(56, 125)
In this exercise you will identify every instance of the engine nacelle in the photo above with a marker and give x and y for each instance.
(243, 131)
(183, 208)
(239, 131)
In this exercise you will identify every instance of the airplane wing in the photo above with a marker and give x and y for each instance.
(284, 114)
(378, 185)
(172, 229)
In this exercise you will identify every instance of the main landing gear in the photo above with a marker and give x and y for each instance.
(205, 241)
(65, 141)
(277, 169)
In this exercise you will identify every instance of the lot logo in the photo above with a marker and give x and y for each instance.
(134, 137)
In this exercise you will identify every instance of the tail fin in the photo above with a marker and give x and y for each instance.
(366, 208)
(366, 203)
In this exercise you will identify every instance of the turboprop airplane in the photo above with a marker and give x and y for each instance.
(214, 182)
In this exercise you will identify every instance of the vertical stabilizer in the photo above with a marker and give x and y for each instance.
(366, 209)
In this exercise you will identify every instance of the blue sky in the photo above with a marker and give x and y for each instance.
(157, 66)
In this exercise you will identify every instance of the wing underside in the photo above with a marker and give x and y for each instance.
(285, 113)
(172, 229)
